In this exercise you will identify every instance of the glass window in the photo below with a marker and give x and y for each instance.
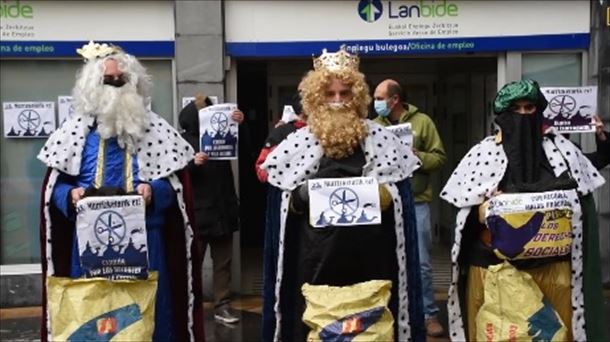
(553, 70)
(21, 173)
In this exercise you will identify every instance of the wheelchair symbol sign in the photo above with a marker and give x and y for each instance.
(110, 228)
(219, 122)
(29, 120)
(344, 201)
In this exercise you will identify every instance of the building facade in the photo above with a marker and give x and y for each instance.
(449, 56)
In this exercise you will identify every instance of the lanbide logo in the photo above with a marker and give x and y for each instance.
(370, 10)
(13, 10)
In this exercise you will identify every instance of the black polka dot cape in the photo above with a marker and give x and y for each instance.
(297, 159)
(161, 153)
(477, 177)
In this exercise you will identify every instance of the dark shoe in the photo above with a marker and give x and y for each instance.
(434, 327)
(225, 315)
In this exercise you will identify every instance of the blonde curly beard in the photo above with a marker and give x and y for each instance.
(338, 130)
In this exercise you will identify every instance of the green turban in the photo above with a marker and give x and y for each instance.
(519, 90)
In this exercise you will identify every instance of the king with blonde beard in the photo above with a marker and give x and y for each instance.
(115, 145)
(338, 142)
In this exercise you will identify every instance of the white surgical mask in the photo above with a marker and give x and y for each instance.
(381, 107)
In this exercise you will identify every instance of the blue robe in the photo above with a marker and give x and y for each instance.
(163, 196)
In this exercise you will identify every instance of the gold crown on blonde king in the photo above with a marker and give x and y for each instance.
(93, 50)
(335, 61)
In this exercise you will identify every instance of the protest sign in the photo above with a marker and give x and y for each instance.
(344, 201)
(530, 225)
(570, 109)
(28, 119)
(111, 234)
(403, 132)
(218, 131)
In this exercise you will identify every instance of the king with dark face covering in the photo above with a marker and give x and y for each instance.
(523, 158)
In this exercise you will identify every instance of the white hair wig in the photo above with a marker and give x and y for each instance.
(91, 76)
(120, 111)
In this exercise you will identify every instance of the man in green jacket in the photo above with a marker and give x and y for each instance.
(428, 146)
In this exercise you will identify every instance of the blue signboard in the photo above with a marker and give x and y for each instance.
(8, 48)
(411, 46)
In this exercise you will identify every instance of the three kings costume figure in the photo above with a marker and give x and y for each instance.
(373, 267)
(114, 145)
(525, 261)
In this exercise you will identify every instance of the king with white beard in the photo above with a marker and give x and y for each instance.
(114, 144)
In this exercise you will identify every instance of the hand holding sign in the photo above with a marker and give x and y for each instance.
(238, 116)
(145, 191)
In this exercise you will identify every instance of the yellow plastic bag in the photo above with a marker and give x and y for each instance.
(97, 309)
(514, 309)
(530, 225)
(358, 311)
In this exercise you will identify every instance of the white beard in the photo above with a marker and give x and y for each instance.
(121, 112)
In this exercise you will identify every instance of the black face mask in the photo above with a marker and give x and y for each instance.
(528, 170)
(115, 82)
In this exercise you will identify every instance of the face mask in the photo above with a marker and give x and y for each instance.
(115, 82)
(381, 107)
(336, 105)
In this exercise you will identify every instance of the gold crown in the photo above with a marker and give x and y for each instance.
(335, 61)
(96, 50)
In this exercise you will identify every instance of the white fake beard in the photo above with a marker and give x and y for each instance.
(121, 112)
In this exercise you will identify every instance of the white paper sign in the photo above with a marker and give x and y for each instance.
(570, 109)
(218, 131)
(187, 100)
(288, 115)
(404, 133)
(528, 202)
(111, 235)
(343, 201)
(28, 119)
(531, 225)
(65, 108)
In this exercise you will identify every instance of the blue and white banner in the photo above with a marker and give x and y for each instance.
(344, 201)
(11, 48)
(418, 46)
(403, 27)
(31, 28)
(218, 131)
(111, 233)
